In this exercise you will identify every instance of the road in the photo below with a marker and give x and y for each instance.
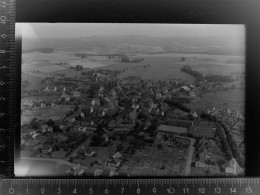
(189, 159)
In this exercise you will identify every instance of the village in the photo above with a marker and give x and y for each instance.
(102, 125)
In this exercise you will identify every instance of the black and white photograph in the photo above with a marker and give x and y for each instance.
(128, 99)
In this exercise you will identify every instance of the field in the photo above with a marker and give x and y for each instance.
(233, 99)
(45, 114)
(167, 66)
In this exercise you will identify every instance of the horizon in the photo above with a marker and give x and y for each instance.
(84, 30)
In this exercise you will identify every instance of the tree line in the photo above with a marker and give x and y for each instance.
(210, 77)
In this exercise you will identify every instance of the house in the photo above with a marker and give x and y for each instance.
(89, 152)
(200, 164)
(76, 94)
(194, 114)
(46, 149)
(158, 96)
(95, 102)
(43, 105)
(35, 135)
(185, 89)
(108, 173)
(192, 94)
(67, 98)
(63, 127)
(233, 168)
(77, 170)
(113, 163)
(105, 137)
(27, 104)
(113, 92)
(52, 105)
(71, 120)
(117, 155)
(44, 128)
(98, 172)
(135, 106)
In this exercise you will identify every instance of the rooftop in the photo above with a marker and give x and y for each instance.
(172, 129)
(206, 131)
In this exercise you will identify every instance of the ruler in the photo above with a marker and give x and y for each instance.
(7, 86)
(193, 186)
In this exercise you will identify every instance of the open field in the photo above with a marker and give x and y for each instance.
(233, 99)
(167, 66)
(55, 113)
(41, 64)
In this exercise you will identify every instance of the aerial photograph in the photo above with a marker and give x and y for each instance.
(129, 100)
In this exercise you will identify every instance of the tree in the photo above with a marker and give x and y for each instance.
(50, 122)
(76, 108)
(78, 67)
(34, 124)
(71, 159)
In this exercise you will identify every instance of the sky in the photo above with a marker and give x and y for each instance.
(75, 30)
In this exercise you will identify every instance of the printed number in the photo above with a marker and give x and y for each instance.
(2, 51)
(217, 190)
(27, 190)
(3, 4)
(74, 191)
(138, 190)
(185, 190)
(3, 36)
(122, 190)
(170, 190)
(58, 191)
(2, 19)
(202, 190)
(43, 190)
(233, 190)
(249, 190)
(90, 191)
(11, 190)
(154, 190)
(106, 191)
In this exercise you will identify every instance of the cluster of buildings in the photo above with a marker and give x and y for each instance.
(136, 107)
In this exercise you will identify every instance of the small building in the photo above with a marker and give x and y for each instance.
(200, 164)
(117, 155)
(233, 168)
(158, 96)
(43, 105)
(76, 94)
(98, 172)
(95, 102)
(185, 89)
(89, 152)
